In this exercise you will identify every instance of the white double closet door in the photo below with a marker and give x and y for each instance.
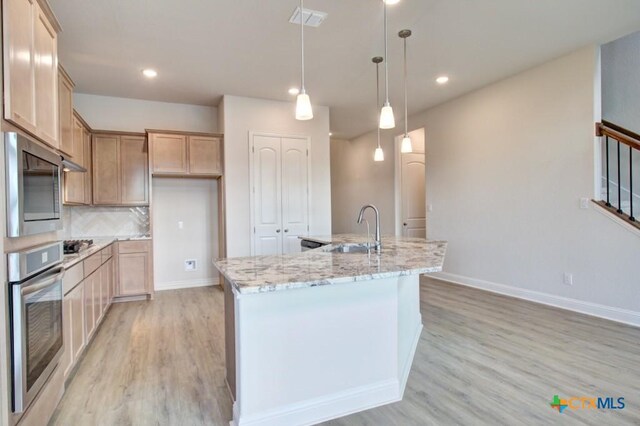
(280, 193)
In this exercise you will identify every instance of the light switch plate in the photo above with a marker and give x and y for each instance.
(584, 203)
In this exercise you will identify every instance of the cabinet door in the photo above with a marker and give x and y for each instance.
(110, 280)
(88, 306)
(97, 297)
(295, 210)
(88, 164)
(104, 285)
(19, 63)
(267, 202)
(75, 182)
(204, 156)
(67, 356)
(46, 78)
(77, 320)
(169, 154)
(133, 274)
(65, 112)
(106, 169)
(134, 166)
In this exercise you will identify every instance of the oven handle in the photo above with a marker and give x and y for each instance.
(40, 284)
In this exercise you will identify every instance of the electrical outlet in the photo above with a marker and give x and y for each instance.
(567, 278)
(45, 257)
(584, 203)
(429, 207)
(180, 225)
(190, 265)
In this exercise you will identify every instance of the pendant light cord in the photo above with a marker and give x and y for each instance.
(302, 89)
(378, 98)
(406, 117)
(386, 57)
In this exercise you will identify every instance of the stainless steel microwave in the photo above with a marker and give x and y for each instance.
(33, 187)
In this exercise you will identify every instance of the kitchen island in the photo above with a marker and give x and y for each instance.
(324, 333)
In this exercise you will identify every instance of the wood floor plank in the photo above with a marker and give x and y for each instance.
(482, 359)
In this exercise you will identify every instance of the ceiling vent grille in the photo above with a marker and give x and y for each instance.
(312, 18)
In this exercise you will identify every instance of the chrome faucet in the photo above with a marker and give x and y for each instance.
(378, 243)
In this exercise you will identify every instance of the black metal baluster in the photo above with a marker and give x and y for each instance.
(619, 183)
(607, 154)
(631, 218)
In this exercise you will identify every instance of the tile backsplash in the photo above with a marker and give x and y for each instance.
(87, 221)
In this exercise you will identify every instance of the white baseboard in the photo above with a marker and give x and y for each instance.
(602, 311)
(318, 410)
(408, 362)
(177, 285)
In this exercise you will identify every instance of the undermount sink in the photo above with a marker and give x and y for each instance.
(349, 248)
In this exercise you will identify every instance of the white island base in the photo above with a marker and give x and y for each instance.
(307, 355)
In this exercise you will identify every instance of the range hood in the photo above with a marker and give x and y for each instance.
(70, 166)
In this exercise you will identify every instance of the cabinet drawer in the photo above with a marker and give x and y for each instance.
(142, 246)
(72, 277)
(107, 252)
(92, 263)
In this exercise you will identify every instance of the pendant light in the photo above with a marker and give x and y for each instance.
(387, 120)
(378, 154)
(303, 103)
(405, 146)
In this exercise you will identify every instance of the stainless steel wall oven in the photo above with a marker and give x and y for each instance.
(36, 294)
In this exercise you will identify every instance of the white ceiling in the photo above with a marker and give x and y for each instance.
(203, 49)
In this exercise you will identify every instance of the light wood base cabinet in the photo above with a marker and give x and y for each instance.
(88, 295)
(135, 268)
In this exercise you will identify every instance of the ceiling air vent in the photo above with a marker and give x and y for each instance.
(312, 18)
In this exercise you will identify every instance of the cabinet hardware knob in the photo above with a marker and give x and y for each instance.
(278, 231)
(286, 230)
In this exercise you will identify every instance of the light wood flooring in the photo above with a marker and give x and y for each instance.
(483, 359)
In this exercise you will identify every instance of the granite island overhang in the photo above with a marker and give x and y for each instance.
(317, 335)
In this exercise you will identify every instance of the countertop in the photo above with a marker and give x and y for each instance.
(98, 244)
(399, 256)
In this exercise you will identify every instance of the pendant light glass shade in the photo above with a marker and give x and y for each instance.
(405, 146)
(303, 107)
(387, 120)
(378, 155)
(303, 102)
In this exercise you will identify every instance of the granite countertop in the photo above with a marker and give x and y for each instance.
(98, 244)
(399, 256)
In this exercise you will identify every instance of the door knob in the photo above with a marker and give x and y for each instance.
(404, 224)
(286, 230)
(278, 231)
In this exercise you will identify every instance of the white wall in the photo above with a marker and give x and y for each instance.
(620, 82)
(194, 202)
(358, 180)
(242, 115)
(135, 115)
(506, 168)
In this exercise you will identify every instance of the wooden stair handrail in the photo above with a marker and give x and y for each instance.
(618, 133)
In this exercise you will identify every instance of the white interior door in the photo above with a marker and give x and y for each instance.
(267, 181)
(295, 210)
(414, 219)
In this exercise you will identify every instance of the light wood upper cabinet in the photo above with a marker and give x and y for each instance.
(19, 63)
(187, 154)
(120, 170)
(205, 155)
(77, 186)
(134, 168)
(46, 78)
(65, 112)
(169, 153)
(30, 43)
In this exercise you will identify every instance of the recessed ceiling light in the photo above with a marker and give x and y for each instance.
(442, 79)
(149, 73)
(294, 91)
(391, 1)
